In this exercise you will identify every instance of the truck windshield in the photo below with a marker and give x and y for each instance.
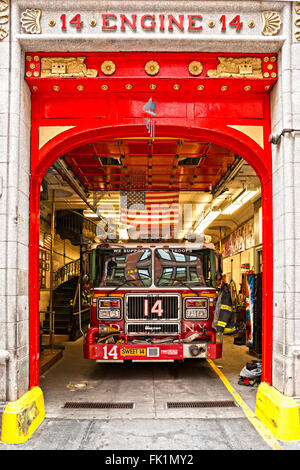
(180, 266)
(128, 267)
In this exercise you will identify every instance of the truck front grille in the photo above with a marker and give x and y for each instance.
(135, 307)
(153, 329)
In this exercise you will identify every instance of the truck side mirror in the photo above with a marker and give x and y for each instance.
(111, 265)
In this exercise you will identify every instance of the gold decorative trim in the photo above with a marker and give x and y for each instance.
(152, 67)
(238, 67)
(66, 67)
(4, 19)
(195, 68)
(255, 133)
(271, 23)
(47, 133)
(31, 21)
(108, 67)
(297, 21)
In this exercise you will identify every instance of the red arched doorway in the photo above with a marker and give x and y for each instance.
(229, 109)
(228, 137)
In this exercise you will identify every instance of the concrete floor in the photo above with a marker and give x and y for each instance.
(150, 424)
(149, 385)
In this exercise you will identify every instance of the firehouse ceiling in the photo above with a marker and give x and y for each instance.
(172, 164)
(207, 177)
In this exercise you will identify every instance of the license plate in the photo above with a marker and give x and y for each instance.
(153, 352)
(132, 352)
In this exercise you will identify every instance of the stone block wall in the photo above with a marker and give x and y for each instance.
(285, 109)
(15, 103)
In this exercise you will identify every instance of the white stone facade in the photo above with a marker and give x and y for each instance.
(15, 121)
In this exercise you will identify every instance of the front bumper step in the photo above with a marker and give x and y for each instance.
(151, 352)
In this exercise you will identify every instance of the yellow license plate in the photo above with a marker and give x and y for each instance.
(132, 352)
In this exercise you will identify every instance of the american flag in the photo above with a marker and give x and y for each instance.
(150, 209)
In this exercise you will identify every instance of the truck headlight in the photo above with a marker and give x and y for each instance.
(109, 308)
(196, 308)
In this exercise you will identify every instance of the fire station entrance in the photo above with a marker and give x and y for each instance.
(197, 132)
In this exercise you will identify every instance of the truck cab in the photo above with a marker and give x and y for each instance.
(153, 301)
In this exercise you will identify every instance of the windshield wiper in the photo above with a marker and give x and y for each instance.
(186, 285)
(116, 288)
(125, 282)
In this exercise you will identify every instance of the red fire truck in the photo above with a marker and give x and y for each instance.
(152, 301)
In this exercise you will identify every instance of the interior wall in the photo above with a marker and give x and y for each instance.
(232, 264)
(64, 252)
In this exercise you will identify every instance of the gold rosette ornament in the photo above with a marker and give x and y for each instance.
(152, 67)
(195, 68)
(108, 67)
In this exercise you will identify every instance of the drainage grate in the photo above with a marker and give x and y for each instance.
(202, 404)
(84, 404)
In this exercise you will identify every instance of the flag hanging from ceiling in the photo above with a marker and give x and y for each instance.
(150, 210)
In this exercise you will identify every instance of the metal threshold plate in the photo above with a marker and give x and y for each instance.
(202, 404)
(99, 405)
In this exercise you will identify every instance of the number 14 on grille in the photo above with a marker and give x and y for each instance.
(156, 309)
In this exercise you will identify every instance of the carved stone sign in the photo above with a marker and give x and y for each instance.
(266, 23)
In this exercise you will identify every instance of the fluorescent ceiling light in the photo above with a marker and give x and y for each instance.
(208, 219)
(104, 213)
(90, 215)
(244, 197)
(108, 203)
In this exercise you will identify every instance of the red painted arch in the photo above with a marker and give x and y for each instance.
(216, 132)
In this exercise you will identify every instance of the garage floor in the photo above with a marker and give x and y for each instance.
(149, 425)
(149, 386)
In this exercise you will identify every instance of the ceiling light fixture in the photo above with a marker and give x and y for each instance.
(208, 219)
(244, 197)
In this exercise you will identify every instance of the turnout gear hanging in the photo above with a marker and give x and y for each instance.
(223, 312)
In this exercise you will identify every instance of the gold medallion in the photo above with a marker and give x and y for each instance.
(108, 67)
(152, 67)
(195, 68)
